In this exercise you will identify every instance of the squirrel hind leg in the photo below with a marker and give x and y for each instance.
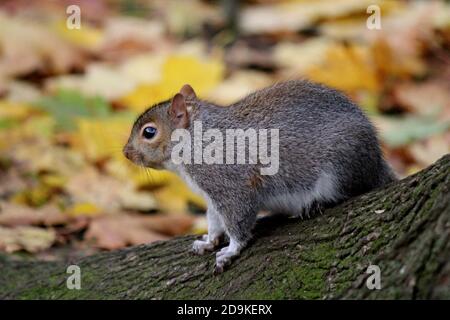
(315, 208)
(227, 254)
(239, 220)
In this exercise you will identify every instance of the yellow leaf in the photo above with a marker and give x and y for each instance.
(348, 68)
(177, 71)
(86, 36)
(102, 138)
(201, 75)
(54, 180)
(84, 209)
(34, 196)
(200, 225)
(14, 110)
(146, 95)
(42, 126)
(176, 196)
(171, 193)
(123, 169)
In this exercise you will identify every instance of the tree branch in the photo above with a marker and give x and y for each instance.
(403, 228)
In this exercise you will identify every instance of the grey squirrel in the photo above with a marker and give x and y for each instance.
(328, 152)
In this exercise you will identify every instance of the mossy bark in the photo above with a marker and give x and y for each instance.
(404, 229)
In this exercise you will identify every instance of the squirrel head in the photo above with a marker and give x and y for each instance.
(149, 144)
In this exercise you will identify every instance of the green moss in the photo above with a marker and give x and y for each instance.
(306, 279)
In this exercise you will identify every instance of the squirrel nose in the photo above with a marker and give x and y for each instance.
(127, 152)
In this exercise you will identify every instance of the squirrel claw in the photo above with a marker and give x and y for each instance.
(221, 263)
(218, 270)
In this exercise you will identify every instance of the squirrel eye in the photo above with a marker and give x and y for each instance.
(149, 132)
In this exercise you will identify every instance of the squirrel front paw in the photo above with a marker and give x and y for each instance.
(200, 247)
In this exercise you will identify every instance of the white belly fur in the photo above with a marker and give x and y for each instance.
(297, 203)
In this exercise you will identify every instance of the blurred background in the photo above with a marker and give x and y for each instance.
(73, 79)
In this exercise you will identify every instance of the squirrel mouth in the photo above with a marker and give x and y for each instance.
(153, 165)
(135, 158)
(139, 160)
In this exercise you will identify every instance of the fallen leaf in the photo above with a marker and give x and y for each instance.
(118, 231)
(100, 79)
(175, 196)
(427, 99)
(428, 151)
(296, 15)
(127, 36)
(85, 209)
(38, 155)
(349, 68)
(202, 74)
(239, 85)
(26, 238)
(22, 92)
(94, 192)
(66, 106)
(87, 37)
(100, 139)
(28, 47)
(297, 58)
(13, 215)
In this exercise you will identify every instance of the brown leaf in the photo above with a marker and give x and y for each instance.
(170, 225)
(30, 47)
(106, 192)
(118, 231)
(429, 98)
(430, 150)
(13, 215)
(125, 37)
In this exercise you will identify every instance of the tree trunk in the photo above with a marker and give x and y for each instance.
(403, 229)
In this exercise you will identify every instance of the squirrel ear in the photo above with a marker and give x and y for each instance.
(188, 92)
(178, 111)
